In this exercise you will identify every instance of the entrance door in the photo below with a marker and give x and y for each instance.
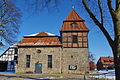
(38, 68)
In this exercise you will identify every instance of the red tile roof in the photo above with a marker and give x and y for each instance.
(108, 63)
(40, 40)
(74, 17)
(106, 58)
(67, 27)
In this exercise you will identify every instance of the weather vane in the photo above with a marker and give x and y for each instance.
(73, 6)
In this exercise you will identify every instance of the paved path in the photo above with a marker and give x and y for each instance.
(11, 76)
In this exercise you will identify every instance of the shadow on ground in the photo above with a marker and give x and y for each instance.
(24, 77)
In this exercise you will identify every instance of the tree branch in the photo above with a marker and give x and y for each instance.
(112, 11)
(117, 4)
(101, 13)
(98, 23)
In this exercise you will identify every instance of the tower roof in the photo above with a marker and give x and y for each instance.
(73, 17)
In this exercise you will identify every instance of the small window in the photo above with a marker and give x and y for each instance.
(38, 51)
(12, 63)
(27, 61)
(15, 57)
(72, 56)
(16, 50)
(74, 25)
(49, 61)
(74, 39)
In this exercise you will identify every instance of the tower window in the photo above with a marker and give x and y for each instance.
(75, 39)
(74, 25)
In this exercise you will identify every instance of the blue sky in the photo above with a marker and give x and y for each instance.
(51, 21)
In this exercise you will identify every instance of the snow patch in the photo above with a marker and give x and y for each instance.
(32, 34)
(50, 34)
(51, 77)
(110, 74)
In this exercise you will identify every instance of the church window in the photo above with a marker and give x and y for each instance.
(74, 25)
(75, 39)
(49, 61)
(27, 61)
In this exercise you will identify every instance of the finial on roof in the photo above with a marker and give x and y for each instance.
(73, 6)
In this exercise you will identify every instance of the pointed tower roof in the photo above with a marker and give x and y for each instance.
(73, 22)
(73, 16)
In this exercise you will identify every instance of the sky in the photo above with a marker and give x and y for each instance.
(51, 21)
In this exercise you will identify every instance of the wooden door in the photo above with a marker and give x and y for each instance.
(38, 68)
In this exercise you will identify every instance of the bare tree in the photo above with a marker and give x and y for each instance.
(91, 57)
(9, 21)
(115, 14)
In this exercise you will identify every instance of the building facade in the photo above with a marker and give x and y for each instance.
(47, 53)
(8, 59)
(105, 63)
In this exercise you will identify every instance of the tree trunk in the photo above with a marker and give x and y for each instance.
(115, 45)
(116, 49)
(117, 65)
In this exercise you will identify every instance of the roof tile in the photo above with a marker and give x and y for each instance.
(40, 40)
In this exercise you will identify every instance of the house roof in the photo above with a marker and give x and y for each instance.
(40, 39)
(41, 34)
(105, 63)
(73, 17)
(106, 58)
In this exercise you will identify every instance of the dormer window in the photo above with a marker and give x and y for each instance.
(74, 25)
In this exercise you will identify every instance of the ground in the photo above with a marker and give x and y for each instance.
(107, 74)
(13, 76)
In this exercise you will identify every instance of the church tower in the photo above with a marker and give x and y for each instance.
(74, 32)
(74, 38)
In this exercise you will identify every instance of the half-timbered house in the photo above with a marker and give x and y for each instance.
(8, 59)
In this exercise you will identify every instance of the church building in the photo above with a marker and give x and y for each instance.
(48, 53)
